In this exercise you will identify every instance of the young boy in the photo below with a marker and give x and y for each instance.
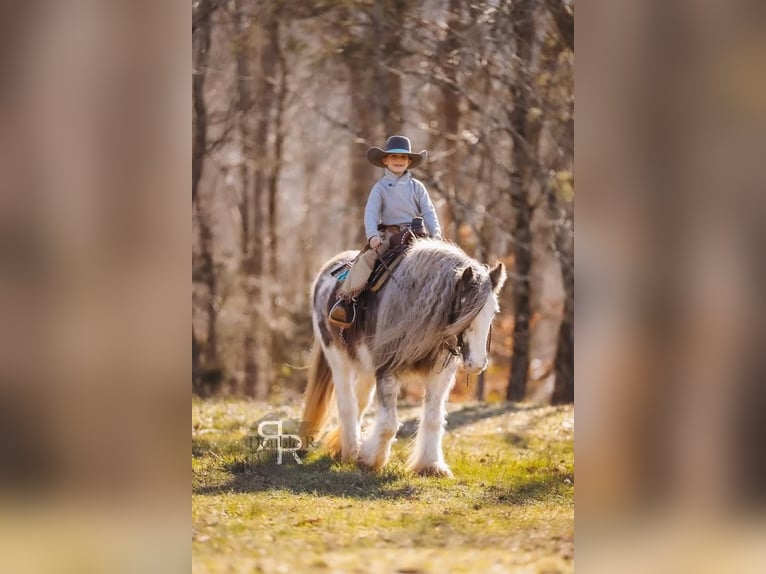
(393, 202)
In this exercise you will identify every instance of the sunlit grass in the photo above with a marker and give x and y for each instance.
(509, 507)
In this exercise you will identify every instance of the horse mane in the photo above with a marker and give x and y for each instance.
(418, 309)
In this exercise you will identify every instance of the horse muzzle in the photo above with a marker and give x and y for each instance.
(474, 366)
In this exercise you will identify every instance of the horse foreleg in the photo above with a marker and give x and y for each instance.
(427, 457)
(377, 448)
(348, 408)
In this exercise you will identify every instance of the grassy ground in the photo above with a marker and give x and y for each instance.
(510, 507)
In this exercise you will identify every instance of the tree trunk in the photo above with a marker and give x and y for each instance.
(388, 20)
(260, 301)
(201, 28)
(517, 381)
(563, 390)
(276, 163)
(244, 105)
(450, 112)
(208, 272)
(522, 27)
(273, 184)
(251, 250)
(196, 365)
(201, 48)
(560, 214)
(362, 172)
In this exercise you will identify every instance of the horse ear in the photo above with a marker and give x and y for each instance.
(497, 276)
(467, 278)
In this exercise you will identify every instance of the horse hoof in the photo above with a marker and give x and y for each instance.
(365, 464)
(350, 456)
(437, 470)
(332, 443)
(364, 467)
(370, 460)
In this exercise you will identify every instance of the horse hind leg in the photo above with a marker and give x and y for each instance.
(331, 442)
(364, 385)
(344, 440)
(376, 449)
(427, 456)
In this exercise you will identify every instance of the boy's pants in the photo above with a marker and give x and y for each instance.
(360, 271)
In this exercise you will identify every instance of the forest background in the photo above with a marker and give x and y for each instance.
(288, 96)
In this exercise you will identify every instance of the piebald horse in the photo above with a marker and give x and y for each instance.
(434, 313)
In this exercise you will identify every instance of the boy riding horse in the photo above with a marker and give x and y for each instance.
(394, 201)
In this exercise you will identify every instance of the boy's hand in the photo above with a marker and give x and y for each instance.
(375, 241)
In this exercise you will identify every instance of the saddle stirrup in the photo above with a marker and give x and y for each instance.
(343, 313)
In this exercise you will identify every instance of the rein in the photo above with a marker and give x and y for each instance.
(386, 267)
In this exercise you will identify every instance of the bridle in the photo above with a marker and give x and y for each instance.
(454, 345)
(456, 349)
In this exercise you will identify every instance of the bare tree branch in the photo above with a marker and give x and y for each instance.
(564, 19)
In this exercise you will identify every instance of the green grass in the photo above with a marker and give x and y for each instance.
(510, 507)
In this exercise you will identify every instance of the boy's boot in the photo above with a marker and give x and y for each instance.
(343, 312)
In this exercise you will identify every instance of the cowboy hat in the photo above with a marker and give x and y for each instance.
(399, 145)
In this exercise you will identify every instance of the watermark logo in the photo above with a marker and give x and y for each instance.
(279, 438)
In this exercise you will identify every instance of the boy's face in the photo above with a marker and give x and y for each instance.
(396, 162)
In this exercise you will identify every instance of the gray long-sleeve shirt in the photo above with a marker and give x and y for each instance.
(395, 200)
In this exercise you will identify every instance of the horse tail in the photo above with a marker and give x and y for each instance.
(318, 396)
